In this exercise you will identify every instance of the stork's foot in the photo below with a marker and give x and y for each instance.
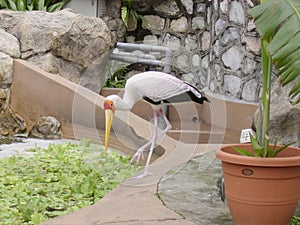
(136, 157)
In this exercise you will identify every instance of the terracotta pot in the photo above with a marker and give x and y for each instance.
(261, 190)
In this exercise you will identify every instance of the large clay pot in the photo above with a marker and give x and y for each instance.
(261, 190)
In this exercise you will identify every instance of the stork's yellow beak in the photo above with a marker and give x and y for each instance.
(109, 115)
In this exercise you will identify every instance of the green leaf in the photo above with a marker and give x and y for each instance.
(20, 5)
(12, 5)
(124, 15)
(276, 151)
(55, 7)
(3, 4)
(278, 22)
(242, 151)
(57, 180)
(259, 151)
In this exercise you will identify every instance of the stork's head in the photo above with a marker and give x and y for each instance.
(109, 109)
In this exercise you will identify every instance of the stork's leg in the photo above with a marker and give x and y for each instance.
(139, 153)
(153, 139)
(168, 125)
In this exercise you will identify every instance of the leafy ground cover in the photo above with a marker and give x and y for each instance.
(57, 180)
(295, 220)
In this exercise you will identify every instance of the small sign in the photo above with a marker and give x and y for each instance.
(245, 135)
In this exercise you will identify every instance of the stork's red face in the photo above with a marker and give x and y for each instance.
(109, 105)
(109, 109)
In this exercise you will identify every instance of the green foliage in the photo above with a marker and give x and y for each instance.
(278, 22)
(128, 14)
(295, 220)
(259, 151)
(42, 5)
(57, 180)
(118, 78)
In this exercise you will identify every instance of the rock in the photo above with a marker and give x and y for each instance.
(232, 85)
(191, 42)
(249, 66)
(70, 42)
(11, 123)
(6, 69)
(198, 23)
(219, 26)
(224, 6)
(196, 60)
(172, 42)
(4, 99)
(205, 41)
(179, 25)
(153, 23)
(201, 7)
(167, 8)
(47, 127)
(236, 13)
(182, 62)
(249, 92)
(230, 34)
(188, 5)
(9, 44)
(232, 58)
(151, 40)
(252, 43)
(284, 117)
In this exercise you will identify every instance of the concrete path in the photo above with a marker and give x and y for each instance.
(134, 202)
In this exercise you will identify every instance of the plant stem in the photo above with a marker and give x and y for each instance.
(266, 98)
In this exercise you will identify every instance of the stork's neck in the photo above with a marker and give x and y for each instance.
(125, 103)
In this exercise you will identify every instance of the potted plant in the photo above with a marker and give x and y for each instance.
(262, 181)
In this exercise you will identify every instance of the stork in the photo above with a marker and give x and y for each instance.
(158, 89)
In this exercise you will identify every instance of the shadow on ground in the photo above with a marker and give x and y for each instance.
(191, 190)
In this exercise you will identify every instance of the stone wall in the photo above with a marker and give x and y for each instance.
(214, 42)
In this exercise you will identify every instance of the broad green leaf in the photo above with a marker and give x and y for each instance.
(284, 35)
(278, 22)
(295, 90)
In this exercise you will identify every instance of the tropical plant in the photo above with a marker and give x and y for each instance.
(118, 78)
(278, 22)
(129, 16)
(29, 5)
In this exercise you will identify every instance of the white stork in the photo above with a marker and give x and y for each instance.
(156, 88)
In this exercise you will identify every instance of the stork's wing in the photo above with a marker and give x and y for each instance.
(158, 86)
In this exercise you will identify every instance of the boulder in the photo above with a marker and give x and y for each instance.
(62, 42)
(284, 117)
(47, 127)
(11, 124)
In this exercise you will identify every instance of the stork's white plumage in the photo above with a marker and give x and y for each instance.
(157, 88)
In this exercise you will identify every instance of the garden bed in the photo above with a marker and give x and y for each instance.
(57, 180)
